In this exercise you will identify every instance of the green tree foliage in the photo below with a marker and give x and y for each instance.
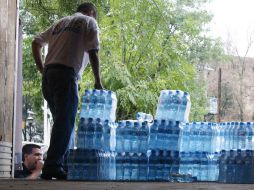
(146, 46)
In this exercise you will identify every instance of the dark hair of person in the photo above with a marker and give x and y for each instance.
(27, 149)
(86, 7)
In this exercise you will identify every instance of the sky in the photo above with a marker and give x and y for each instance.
(234, 21)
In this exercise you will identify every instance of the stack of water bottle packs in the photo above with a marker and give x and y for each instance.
(173, 105)
(96, 137)
(236, 166)
(236, 162)
(165, 149)
(199, 151)
(205, 151)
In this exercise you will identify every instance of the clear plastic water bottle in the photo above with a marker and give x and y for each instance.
(93, 105)
(162, 105)
(183, 163)
(120, 135)
(185, 137)
(152, 171)
(112, 168)
(81, 133)
(98, 134)
(90, 134)
(249, 135)
(128, 136)
(175, 136)
(189, 162)
(176, 100)
(106, 136)
(192, 138)
(114, 106)
(105, 164)
(134, 167)
(203, 169)
(209, 138)
(195, 164)
(143, 138)
(168, 160)
(175, 162)
(231, 135)
(231, 167)
(184, 107)
(113, 127)
(235, 135)
(252, 129)
(222, 166)
(135, 137)
(94, 164)
(197, 137)
(239, 172)
(153, 135)
(127, 166)
(161, 135)
(143, 167)
(168, 136)
(85, 104)
(159, 166)
(214, 167)
(216, 137)
(222, 134)
(110, 106)
(241, 136)
(119, 165)
(227, 135)
(170, 103)
(101, 101)
(247, 168)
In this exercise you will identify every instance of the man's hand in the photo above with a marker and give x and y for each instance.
(37, 171)
(98, 86)
(39, 165)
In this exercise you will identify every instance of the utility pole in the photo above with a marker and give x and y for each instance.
(219, 97)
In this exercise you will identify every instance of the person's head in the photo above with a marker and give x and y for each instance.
(31, 153)
(87, 9)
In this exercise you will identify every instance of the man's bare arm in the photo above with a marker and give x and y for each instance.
(36, 49)
(94, 60)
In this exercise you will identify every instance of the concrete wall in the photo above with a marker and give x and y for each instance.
(8, 17)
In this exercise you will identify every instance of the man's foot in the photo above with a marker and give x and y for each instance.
(49, 173)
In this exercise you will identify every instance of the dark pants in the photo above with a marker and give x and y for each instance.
(60, 89)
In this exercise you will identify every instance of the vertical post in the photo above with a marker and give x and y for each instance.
(17, 110)
(8, 62)
(30, 132)
(219, 97)
(25, 134)
(46, 124)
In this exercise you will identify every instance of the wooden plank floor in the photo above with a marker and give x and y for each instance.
(17, 184)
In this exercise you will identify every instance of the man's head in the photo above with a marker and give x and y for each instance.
(31, 154)
(88, 9)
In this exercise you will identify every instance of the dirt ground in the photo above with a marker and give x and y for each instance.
(14, 184)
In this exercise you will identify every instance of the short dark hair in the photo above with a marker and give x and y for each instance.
(86, 7)
(27, 149)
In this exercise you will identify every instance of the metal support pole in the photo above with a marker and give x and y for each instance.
(219, 97)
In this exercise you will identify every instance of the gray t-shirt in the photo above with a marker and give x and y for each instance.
(69, 40)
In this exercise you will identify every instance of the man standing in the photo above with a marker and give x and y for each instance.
(32, 162)
(70, 41)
